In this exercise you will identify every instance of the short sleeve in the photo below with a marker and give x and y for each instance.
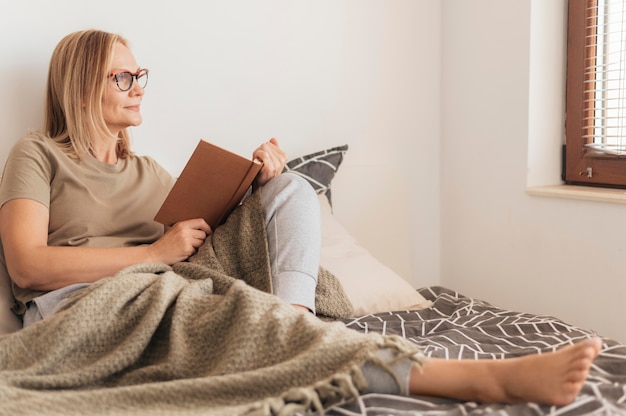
(27, 172)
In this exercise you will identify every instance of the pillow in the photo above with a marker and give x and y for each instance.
(9, 322)
(370, 286)
(319, 168)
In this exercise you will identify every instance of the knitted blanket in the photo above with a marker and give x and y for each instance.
(190, 339)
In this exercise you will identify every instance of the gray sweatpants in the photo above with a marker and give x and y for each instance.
(292, 218)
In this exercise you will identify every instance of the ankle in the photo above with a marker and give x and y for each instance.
(495, 382)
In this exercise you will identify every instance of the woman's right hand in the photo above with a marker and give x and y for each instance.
(179, 241)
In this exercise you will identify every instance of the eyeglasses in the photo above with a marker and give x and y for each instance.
(124, 79)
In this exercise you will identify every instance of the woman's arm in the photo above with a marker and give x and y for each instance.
(33, 264)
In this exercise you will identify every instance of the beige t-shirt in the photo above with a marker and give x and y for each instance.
(91, 203)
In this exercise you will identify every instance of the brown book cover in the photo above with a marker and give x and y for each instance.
(211, 185)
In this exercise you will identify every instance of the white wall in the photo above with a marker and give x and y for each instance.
(314, 74)
(502, 121)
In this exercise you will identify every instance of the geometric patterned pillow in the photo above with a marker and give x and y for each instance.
(319, 168)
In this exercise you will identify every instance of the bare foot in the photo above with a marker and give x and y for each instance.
(553, 378)
(302, 308)
(550, 378)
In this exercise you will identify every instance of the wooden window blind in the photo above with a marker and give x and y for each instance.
(595, 152)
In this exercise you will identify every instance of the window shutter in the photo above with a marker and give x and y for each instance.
(596, 93)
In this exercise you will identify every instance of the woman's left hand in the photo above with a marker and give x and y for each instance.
(273, 159)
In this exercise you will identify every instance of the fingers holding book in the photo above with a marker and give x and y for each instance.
(273, 159)
(180, 241)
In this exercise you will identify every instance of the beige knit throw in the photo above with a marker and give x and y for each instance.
(192, 339)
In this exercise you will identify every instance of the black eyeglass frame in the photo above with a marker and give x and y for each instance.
(143, 72)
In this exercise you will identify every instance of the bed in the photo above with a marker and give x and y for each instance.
(439, 321)
(456, 326)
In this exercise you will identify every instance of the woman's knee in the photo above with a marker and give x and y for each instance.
(289, 185)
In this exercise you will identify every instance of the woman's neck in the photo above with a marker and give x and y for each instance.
(105, 150)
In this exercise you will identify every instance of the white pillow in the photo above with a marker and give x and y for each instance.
(371, 286)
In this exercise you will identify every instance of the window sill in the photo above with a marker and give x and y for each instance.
(585, 193)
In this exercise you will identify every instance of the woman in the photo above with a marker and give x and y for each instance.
(77, 206)
(89, 149)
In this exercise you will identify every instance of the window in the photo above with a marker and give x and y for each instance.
(595, 152)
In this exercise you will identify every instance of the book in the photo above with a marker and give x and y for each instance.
(212, 183)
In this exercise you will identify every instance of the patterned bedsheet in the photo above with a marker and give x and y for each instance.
(461, 327)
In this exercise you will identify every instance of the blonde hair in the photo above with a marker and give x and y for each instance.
(77, 78)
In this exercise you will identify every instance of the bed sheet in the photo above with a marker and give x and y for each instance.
(457, 326)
